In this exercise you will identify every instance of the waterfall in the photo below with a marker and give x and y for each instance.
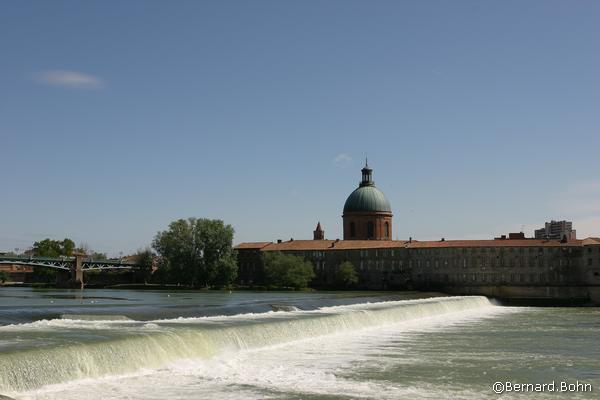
(121, 347)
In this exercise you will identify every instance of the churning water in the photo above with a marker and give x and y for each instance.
(377, 347)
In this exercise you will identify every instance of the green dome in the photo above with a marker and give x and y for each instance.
(367, 199)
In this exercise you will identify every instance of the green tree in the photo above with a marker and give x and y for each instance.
(345, 274)
(227, 270)
(67, 247)
(96, 256)
(287, 270)
(4, 276)
(50, 248)
(145, 260)
(53, 248)
(197, 251)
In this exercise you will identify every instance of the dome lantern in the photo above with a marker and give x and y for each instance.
(367, 172)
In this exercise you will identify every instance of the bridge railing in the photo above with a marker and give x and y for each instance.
(67, 263)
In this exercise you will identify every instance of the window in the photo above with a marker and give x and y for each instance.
(370, 229)
(352, 229)
(387, 230)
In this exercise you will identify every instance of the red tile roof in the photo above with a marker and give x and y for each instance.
(300, 245)
(308, 245)
(591, 240)
(493, 243)
(252, 245)
(369, 244)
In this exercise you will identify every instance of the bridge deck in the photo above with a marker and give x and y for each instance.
(67, 263)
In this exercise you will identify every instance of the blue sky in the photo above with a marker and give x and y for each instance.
(478, 117)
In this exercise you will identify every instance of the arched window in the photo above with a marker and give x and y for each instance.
(387, 230)
(370, 229)
(352, 229)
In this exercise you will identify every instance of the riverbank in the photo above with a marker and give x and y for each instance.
(503, 297)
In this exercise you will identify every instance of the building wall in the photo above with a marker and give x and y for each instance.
(16, 272)
(514, 271)
(520, 266)
(361, 221)
(590, 263)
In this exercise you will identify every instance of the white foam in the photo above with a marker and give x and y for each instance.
(323, 365)
(163, 342)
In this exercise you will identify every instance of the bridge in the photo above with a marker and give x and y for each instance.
(76, 264)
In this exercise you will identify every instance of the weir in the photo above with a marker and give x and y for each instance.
(154, 344)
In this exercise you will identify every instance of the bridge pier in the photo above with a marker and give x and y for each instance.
(77, 269)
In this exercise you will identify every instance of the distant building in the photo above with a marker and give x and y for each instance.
(555, 267)
(557, 230)
(16, 272)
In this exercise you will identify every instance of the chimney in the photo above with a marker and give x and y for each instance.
(279, 240)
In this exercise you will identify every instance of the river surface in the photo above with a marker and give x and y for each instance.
(122, 344)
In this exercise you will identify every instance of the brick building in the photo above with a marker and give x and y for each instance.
(513, 267)
(16, 272)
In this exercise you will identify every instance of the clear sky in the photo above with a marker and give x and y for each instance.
(117, 117)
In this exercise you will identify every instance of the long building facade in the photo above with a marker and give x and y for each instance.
(513, 269)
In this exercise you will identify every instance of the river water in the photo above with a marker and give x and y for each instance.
(120, 344)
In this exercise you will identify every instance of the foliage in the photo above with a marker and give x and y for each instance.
(53, 248)
(287, 270)
(226, 269)
(92, 254)
(4, 276)
(50, 248)
(145, 260)
(197, 251)
(96, 256)
(345, 274)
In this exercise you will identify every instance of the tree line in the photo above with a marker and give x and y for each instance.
(199, 253)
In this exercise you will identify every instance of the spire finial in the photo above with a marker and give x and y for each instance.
(366, 161)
